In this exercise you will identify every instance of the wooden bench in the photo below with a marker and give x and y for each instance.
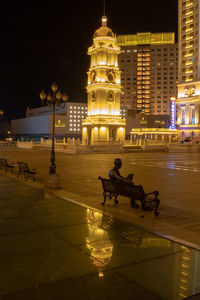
(23, 169)
(5, 165)
(113, 189)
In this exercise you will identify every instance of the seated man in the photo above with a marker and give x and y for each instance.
(114, 173)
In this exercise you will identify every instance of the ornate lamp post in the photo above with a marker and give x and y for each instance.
(54, 98)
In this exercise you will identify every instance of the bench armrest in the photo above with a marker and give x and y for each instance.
(156, 193)
(11, 164)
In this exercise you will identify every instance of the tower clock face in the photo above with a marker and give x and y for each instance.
(110, 76)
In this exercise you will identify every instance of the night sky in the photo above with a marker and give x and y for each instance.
(42, 43)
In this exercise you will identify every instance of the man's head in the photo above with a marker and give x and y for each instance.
(118, 163)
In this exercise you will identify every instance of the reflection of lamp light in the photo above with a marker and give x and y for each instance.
(101, 274)
(1, 113)
(103, 128)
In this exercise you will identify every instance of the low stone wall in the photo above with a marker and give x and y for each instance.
(25, 145)
(74, 147)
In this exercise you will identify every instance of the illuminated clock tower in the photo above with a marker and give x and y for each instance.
(103, 122)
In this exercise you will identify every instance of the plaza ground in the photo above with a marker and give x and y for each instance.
(175, 175)
(54, 249)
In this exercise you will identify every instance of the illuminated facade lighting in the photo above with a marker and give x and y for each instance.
(103, 90)
(172, 113)
(188, 101)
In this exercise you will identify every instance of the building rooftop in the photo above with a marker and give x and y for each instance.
(146, 38)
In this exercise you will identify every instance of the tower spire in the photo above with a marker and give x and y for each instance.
(104, 19)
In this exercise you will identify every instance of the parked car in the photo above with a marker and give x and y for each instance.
(186, 140)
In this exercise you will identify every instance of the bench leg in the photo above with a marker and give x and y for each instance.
(134, 204)
(156, 213)
(115, 200)
(104, 195)
(27, 176)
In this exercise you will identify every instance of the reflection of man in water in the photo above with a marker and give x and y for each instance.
(114, 173)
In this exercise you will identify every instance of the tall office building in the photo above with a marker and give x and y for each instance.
(149, 65)
(189, 68)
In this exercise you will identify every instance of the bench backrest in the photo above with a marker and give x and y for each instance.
(116, 187)
(1, 161)
(4, 162)
(23, 167)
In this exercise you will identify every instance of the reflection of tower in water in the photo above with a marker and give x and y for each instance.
(98, 242)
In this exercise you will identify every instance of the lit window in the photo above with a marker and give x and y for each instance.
(70, 106)
(70, 111)
(70, 125)
(70, 129)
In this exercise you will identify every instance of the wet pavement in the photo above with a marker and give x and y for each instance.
(175, 175)
(51, 248)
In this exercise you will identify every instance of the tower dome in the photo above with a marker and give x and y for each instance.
(104, 30)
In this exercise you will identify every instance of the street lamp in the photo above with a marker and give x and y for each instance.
(54, 98)
(1, 113)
